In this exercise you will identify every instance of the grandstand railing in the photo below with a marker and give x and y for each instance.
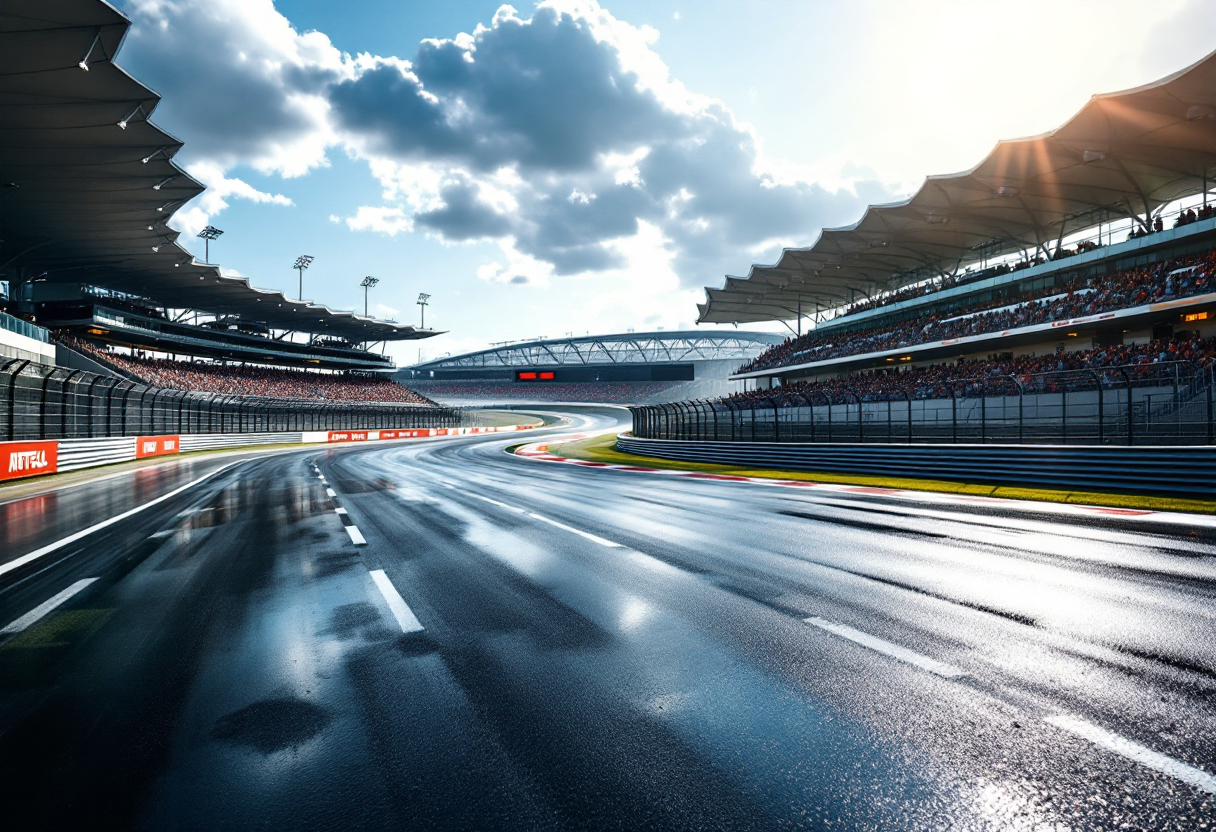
(41, 402)
(25, 328)
(1168, 403)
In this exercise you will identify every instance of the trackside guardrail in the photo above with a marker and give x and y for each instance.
(1164, 403)
(1161, 470)
(19, 460)
(38, 402)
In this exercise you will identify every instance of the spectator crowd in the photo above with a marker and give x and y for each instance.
(253, 380)
(1181, 277)
(1034, 374)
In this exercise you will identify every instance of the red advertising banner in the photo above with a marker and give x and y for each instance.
(146, 446)
(28, 459)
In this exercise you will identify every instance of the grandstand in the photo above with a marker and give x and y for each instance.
(623, 368)
(1081, 258)
(94, 279)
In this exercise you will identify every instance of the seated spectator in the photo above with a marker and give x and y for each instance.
(1033, 374)
(253, 380)
(1106, 293)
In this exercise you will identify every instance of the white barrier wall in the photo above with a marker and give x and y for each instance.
(19, 460)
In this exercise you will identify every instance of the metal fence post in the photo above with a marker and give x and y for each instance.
(12, 396)
(953, 415)
(908, 398)
(1127, 384)
(1021, 420)
(1101, 427)
(46, 381)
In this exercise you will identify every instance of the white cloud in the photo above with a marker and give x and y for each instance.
(220, 189)
(381, 219)
(557, 136)
(267, 108)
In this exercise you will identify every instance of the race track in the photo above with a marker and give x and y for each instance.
(438, 634)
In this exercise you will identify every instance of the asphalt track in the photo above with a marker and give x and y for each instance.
(523, 645)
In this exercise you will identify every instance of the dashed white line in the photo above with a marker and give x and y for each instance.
(911, 657)
(339, 510)
(329, 492)
(593, 538)
(497, 503)
(1136, 752)
(45, 607)
(356, 536)
(396, 604)
(17, 563)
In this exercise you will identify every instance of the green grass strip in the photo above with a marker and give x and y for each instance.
(601, 449)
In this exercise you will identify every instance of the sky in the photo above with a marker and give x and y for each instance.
(574, 167)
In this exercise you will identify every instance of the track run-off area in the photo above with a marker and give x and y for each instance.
(438, 633)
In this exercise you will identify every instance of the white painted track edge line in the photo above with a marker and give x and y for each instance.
(401, 611)
(356, 536)
(46, 607)
(588, 535)
(17, 563)
(1135, 752)
(894, 651)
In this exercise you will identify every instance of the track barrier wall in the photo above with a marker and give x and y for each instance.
(1165, 403)
(39, 402)
(19, 460)
(1152, 470)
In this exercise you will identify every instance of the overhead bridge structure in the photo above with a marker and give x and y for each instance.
(654, 363)
(628, 348)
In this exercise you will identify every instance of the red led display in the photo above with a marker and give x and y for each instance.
(526, 376)
(546, 376)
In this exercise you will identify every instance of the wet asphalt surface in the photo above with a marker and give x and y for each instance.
(585, 648)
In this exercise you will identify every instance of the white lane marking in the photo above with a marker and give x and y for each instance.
(339, 510)
(330, 492)
(497, 503)
(593, 538)
(948, 671)
(356, 536)
(17, 563)
(1136, 752)
(401, 610)
(45, 607)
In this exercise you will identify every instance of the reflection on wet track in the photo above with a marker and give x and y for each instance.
(443, 635)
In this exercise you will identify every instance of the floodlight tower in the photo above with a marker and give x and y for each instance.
(302, 263)
(368, 282)
(423, 297)
(208, 234)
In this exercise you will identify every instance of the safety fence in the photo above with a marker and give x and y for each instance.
(41, 402)
(40, 457)
(1165, 403)
(1156, 470)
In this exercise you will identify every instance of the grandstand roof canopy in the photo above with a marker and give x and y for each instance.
(88, 183)
(1124, 155)
(626, 348)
